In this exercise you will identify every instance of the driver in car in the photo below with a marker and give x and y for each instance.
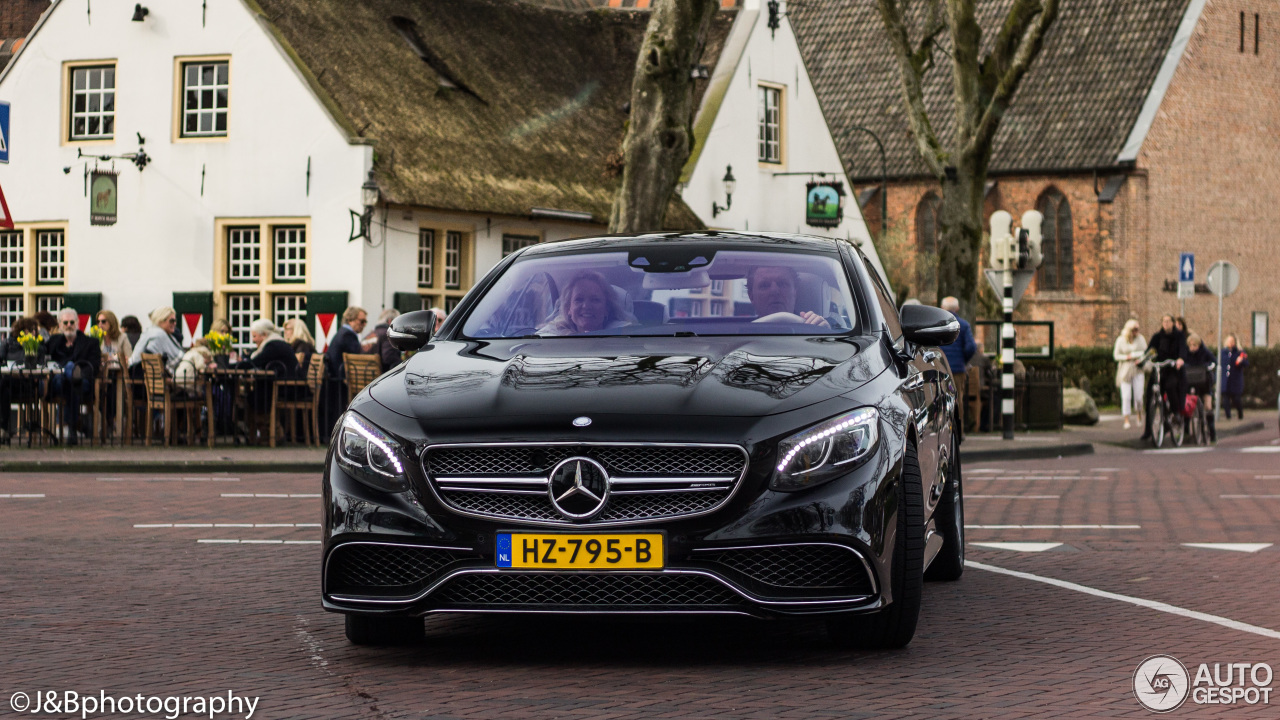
(772, 290)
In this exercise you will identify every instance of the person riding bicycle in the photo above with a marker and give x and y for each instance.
(1167, 344)
(1199, 374)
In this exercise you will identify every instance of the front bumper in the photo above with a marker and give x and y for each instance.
(823, 550)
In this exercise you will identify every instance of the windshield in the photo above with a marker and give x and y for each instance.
(655, 290)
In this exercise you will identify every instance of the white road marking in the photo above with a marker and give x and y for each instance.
(1104, 469)
(1053, 527)
(21, 496)
(271, 495)
(1019, 546)
(1250, 497)
(1046, 477)
(167, 479)
(1177, 451)
(257, 542)
(1140, 602)
(1011, 497)
(983, 471)
(1261, 449)
(227, 525)
(1236, 547)
(1266, 477)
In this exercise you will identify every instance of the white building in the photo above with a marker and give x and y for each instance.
(486, 127)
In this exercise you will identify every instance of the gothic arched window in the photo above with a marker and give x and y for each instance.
(1057, 272)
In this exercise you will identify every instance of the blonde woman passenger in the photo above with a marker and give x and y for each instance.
(1129, 378)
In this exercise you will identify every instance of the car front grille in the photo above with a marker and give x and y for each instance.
(815, 567)
(585, 590)
(647, 482)
(391, 570)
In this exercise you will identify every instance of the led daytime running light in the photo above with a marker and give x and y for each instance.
(378, 442)
(860, 417)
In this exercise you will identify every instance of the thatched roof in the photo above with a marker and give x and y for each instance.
(1074, 109)
(490, 106)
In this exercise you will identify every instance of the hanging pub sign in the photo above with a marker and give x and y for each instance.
(102, 197)
(824, 204)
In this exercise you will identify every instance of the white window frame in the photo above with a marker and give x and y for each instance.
(242, 310)
(288, 306)
(244, 255)
(769, 121)
(452, 260)
(13, 257)
(426, 257)
(103, 73)
(200, 111)
(12, 309)
(289, 253)
(49, 303)
(512, 242)
(51, 256)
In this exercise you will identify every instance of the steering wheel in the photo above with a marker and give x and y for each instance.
(780, 317)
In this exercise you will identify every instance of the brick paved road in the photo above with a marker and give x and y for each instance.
(89, 602)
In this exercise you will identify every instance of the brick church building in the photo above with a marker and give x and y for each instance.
(1146, 128)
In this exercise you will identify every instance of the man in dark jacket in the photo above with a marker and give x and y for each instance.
(347, 339)
(958, 352)
(1168, 344)
(80, 356)
(389, 356)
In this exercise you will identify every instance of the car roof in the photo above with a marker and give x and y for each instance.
(730, 238)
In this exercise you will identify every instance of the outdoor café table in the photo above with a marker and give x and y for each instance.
(27, 388)
(237, 383)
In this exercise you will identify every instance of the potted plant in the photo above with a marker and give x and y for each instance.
(30, 349)
(220, 345)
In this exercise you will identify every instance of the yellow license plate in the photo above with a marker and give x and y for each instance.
(570, 551)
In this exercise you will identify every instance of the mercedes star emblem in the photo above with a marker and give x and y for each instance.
(581, 421)
(579, 488)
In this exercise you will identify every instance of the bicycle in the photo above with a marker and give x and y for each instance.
(1195, 411)
(1164, 419)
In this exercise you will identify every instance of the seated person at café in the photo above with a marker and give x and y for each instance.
(157, 339)
(115, 344)
(80, 358)
(273, 354)
(12, 351)
(304, 346)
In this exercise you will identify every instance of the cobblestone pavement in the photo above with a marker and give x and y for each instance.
(105, 585)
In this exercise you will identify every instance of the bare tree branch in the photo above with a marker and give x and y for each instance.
(912, 63)
(1027, 49)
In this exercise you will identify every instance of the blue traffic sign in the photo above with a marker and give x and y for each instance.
(1187, 267)
(4, 132)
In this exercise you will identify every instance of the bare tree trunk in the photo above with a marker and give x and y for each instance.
(960, 245)
(660, 131)
(983, 88)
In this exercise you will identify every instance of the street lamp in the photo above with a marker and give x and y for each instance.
(730, 183)
(369, 195)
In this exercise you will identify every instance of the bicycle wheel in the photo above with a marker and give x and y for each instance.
(1159, 422)
(1177, 427)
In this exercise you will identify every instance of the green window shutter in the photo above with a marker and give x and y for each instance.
(407, 302)
(192, 303)
(83, 303)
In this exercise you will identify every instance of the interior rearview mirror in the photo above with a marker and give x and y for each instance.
(412, 330)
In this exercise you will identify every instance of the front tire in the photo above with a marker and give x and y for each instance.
(894, 626)
(378, 631)
(948, 564)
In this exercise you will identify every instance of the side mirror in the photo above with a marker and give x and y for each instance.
(412, 330)
(928, 326)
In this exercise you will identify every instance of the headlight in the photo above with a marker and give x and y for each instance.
(826, 450)
(370, 455)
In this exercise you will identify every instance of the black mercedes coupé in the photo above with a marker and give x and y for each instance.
(660, 423)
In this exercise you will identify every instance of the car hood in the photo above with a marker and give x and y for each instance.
(717, 377)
